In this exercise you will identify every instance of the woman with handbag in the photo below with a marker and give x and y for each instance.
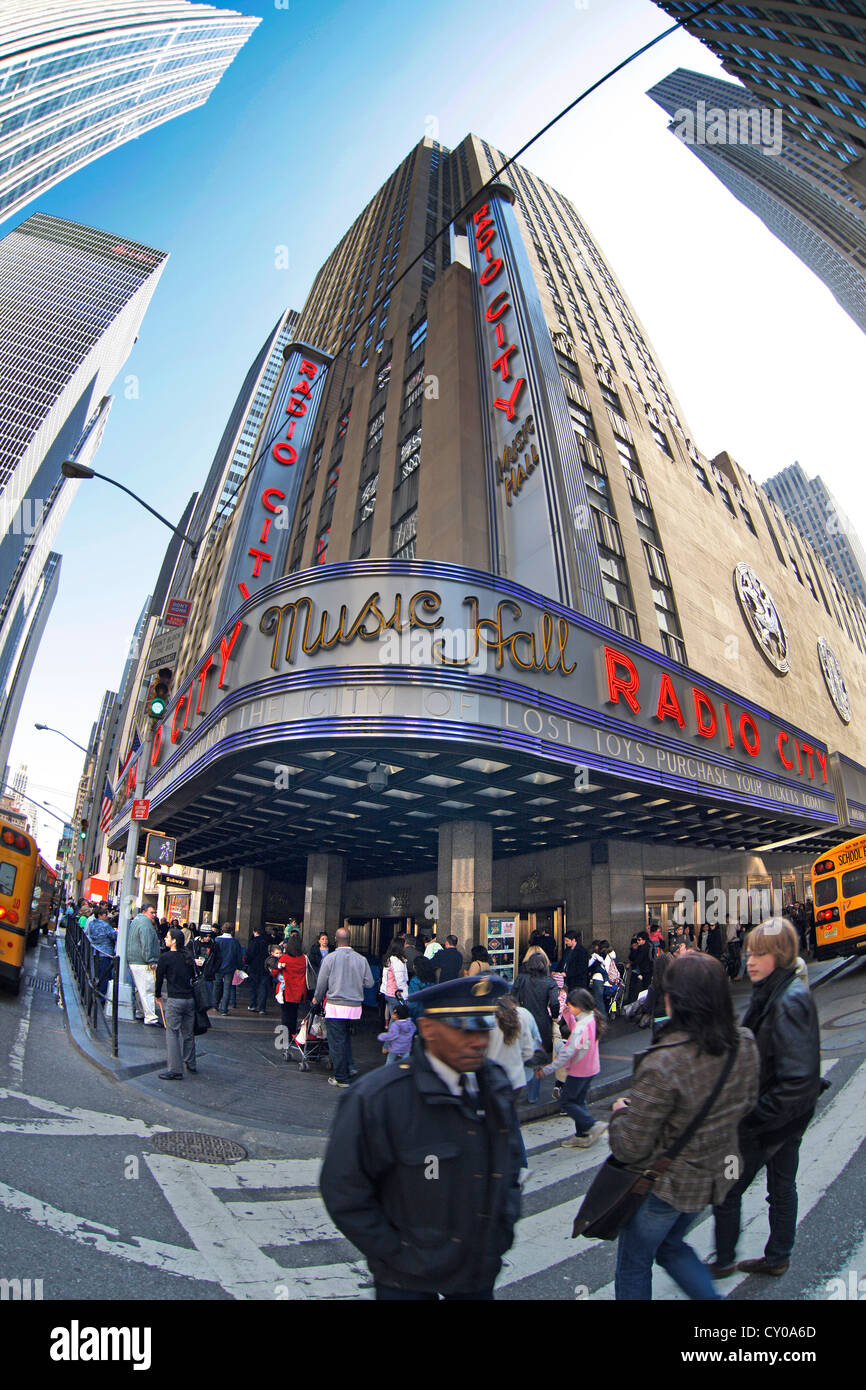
(678, 1127)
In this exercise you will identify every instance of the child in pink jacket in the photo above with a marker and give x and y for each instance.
(580, 1061)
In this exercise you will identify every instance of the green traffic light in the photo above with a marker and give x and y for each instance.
(157, 707)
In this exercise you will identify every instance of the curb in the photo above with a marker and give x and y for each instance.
(79, 1034)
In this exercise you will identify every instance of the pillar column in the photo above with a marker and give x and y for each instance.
(323, 895)
(225, 903)
(251, 901)
(465, 879)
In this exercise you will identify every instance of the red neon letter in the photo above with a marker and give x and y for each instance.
(503, 308)
(668, 706)
(226, 651)
(259, 556)
(296, 407)
(202, 677)
(809, 750)
(510, 405)
(747, 722)
(285, 453)
(483, 211)
(491, 271)
(307, 369)
(728, 725)
(157, 744)
(501, 363)
(783, 738)
(175, 732)
(267, 498)
(616, 685)
(485, 235)
(823, 761)
(703, 704)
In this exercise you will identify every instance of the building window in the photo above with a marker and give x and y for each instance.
(343, 424)
(403, 536)
(375, 430)
(331, 484)
(410, 454)
(417, 335)
(413, 388)
(322, 545)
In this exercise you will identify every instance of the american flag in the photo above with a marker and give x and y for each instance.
(107, 802)
(124, 764)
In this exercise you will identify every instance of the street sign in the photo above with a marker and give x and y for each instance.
(163, 650)
(172, 881)
(140, 810)
(177, 612)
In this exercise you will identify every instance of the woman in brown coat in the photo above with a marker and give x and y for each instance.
(672, 1082)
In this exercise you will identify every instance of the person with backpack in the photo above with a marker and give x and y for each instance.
(536, 990)
(395, 978)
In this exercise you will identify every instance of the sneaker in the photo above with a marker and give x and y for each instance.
(171, 1076)
(763, 1266)
(250, 1009)
(577, 1141)
(557, 1092)
(719, 1271)
(343, 1085)
(353, 1074)
(151, 1022)
(193, 1070)
(523, 1175)
(598, 1129)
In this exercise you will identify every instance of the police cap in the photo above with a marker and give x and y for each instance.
(466, 1003)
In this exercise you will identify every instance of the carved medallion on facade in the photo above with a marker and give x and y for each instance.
(835, 680)
(762, 616)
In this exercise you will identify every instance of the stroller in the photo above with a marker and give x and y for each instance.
(310, 1043)
(617, 1003)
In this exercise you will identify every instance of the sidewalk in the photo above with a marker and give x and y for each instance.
(244, 1078)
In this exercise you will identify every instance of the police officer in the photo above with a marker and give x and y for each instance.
(423, 1160)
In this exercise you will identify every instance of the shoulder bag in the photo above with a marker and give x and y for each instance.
(617, 1191)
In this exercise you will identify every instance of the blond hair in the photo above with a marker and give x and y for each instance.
(774, 937)
(535, 951)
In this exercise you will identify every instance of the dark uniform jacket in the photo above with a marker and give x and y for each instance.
(784, 1020)
(576, 968)
(422, 1186)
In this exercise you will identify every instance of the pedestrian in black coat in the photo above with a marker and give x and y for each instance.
(536, 991)
(575, 963)
(421, 1172)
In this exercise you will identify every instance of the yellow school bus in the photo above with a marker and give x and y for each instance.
(839, 900)
(19, 866)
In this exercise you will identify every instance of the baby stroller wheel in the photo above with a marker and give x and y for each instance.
(303, 1066)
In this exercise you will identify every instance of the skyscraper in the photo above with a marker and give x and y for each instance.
(495, 641)
(78, 79)
(807, 59)
(797, 191)
(72, 300)
(810, 505)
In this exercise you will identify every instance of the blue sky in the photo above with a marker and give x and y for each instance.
(308, 122)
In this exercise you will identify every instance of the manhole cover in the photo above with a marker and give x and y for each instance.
(201, 1148)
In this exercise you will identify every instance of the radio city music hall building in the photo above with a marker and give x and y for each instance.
(486, 632)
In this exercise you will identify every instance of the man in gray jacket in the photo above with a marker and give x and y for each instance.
(142, 954)
(343, 977)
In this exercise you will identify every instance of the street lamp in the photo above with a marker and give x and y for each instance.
(62, 735)
(71, 469)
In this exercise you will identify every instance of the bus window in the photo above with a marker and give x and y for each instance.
(826, 891)
(8, 873)
(853, 884)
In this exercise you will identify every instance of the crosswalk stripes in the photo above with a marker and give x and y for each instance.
(232, 1221)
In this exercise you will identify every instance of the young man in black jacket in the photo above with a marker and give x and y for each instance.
(423, 1160)
(784, 1020)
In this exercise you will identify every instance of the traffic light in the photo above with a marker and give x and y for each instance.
(159, 691)
(84, 825)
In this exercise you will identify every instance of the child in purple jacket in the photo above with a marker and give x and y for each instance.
(398, 1039)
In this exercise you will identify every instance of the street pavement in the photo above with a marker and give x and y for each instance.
(89, 1206)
